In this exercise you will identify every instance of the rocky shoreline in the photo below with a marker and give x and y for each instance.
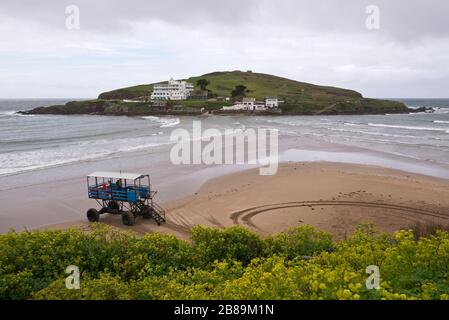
(120, 108)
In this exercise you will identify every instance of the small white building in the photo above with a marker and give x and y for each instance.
(173, 90)
(259, 106)
(250, 104)
(272, 102)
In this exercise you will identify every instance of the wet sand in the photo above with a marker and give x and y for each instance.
(333, 197)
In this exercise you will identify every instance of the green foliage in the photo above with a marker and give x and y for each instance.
(234, 263)
(302, 241)
(235, 243)
(239, 91)
(106, 287)
(203, 83)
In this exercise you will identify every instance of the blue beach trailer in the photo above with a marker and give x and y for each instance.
(127, 194)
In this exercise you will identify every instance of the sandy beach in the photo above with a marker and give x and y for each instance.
(332, 197)
(332, 186)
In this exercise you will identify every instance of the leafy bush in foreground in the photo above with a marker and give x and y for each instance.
(223, 264)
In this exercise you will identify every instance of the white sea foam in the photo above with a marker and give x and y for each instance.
(352, 124)
(8, 112)
(164, 122)
(170, 122)
(439, 121)
(441, 110)
(151, 118)
(13, 113)
(374, 133)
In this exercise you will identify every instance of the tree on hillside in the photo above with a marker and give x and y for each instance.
(203, 83)
(239, 91)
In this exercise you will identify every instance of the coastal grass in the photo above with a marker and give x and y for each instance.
(258, 86)
(233, 263)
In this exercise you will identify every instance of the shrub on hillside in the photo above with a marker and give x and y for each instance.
(235, 243)
(223, 264)
(302, 241)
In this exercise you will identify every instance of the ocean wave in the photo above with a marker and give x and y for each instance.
(442, 148)
(142, 147)
(8, 112)
(440, 121)
(168, 123)
(11, 166)
(407, 127)
(164, 122)
(379, 145)
(13, 113)
(441, 110)
(288, 121)
(153, 118)
(352, 124)
(388, 135)
(13, 163)
(374, 133)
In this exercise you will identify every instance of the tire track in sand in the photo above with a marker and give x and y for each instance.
(245, 216)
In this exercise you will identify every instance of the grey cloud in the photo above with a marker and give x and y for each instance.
(129, 42)
(115, 15)
(400, 20)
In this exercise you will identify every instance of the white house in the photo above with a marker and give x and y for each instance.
(250, 104)
(272, 102)
(173, 90)
(259, 106)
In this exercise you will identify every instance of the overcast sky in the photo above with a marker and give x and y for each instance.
(123, 43)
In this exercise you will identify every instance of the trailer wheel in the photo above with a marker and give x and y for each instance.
(93, 215)
(128, 218)
(146, 212)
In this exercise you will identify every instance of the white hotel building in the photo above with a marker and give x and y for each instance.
(173, 90)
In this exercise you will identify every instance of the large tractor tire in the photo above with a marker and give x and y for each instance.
(128, 218)
(93, 215)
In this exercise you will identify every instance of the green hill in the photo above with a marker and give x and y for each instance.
(299, 97)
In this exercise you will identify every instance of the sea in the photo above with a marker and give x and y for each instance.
(35, 142)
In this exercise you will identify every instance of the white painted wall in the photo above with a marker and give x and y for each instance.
(173, 90)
